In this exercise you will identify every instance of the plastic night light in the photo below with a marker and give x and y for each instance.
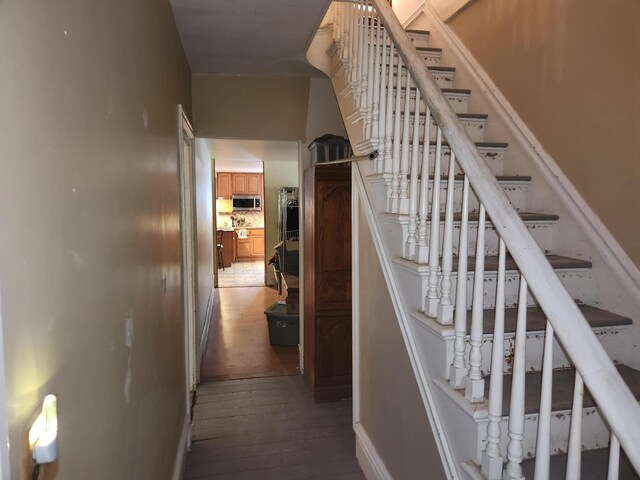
(43, 434)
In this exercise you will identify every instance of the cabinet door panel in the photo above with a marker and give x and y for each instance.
(254, 185)
(239, 183)
(224, 186)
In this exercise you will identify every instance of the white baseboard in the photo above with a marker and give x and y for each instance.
(181, 453)
(207, 325)
(372, 465)
(600, 237)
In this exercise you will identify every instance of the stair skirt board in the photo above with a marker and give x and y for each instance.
(372, 465)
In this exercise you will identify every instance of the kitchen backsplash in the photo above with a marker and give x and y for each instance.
(251, 219)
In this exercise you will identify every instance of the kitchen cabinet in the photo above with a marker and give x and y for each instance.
(239, 183)
(223, 188)
(227, 248)
(256, 237)
(327, 278)
(254, 184)
(250, 247)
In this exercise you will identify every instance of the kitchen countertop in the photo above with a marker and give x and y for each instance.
(231, 229)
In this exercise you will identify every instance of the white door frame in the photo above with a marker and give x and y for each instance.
(5, 472)
(189, 239)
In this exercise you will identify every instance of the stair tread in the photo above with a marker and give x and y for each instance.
(468, 116)
(562, 390)
(594, 466)
(466, 91)
(558, 262)
(525, 216)
(500, 178)
(537, 320)
(435, 68)
(477, 144)
(423, 32)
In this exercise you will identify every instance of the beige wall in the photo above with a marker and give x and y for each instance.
(250, 108)
(90, 230)
(391, 409)
(204, 211)
(571, 70)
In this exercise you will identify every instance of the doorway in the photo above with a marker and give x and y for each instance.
(248, 176)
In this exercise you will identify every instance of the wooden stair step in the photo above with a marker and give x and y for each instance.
(525, 216)
(558, 262)
(537, 320)
(594, 466)
(501, 178)
(419, 32)
(562, 390)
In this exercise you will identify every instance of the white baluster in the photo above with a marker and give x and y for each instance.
(459, 368)
(491, 458)
(543, 441)
(375, 109)
(388, 123)
(361, 67)
(395, 164)
(445, 306)
(574, 450)
(410, 248)
(434, 237)
(353, 46)
(422, 249)
(382, 109)
(368, 84)
(474, 385)
(614, 458)
(516, 409)
(403, 193)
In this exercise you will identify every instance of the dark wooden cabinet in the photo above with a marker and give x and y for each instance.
(227, 247)
(327, 274)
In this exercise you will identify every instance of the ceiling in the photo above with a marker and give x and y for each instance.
(249, 37)
(249, 155)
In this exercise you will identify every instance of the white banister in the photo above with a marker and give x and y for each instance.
(491, 459)
(412, 238)
(403, 197)
(434, 237)
(397, 114)
(543, 440)
(458, 373)
(474, 386)
(361, 67)
(574, 450)
(375, 109)
(388, 129)
(445, 305)
(422, 248)
(382, 108)
(369, 63)
(515, 452)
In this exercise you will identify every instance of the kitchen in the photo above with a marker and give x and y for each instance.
(240, 238)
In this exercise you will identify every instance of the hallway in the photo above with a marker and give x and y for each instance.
(238, 344)
(269, 428)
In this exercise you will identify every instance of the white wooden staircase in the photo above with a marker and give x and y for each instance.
(496, 353)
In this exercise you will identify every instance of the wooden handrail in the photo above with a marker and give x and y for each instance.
(615, 400)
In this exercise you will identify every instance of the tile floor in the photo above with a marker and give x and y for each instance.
(248, 273)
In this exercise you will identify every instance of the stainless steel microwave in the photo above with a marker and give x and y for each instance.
(246, 202)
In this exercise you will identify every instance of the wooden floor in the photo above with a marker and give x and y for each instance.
(267, 429)
(238, 344)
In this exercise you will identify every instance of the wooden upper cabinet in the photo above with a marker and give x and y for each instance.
(254, 183)
(224, 185)
(239, 183)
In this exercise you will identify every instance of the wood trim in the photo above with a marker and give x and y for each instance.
(181, 452)
(204, 336)
(355, 299)
(372, 465)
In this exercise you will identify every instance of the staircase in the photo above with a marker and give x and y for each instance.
(506, 316)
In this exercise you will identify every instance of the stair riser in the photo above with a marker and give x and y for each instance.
(444, 79)
(494, 157)
(418, 39)
(431, 58)
(542, 232)
(595, 433)
(608, 337)
(474, 127)
(515, 191)
(578, 282)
